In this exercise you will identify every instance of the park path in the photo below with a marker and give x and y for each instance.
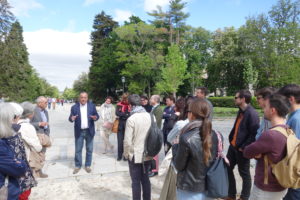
(109, 178)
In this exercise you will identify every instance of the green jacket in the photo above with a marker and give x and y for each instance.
(158, 113)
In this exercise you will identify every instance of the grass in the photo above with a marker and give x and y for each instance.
(229, 112)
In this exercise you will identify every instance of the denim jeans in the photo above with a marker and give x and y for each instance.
(236, 157)
(187, 195)
(292, 194)
(84, 136)
(139, 176)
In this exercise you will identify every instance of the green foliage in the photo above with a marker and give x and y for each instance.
(69, 94)
(174, 72)
(81, 84)
(228, 102)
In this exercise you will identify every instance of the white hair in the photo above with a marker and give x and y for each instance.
(18, 109)
(40, 99)
(6, 118)
(28, 109)
(156, 98)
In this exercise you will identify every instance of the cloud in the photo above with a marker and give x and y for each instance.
(22, 7)
(122, 15)
(150, 5)
(71, 26)
(90, 2)
(59, 56)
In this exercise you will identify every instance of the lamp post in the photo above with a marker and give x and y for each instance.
(107, 90)
(123, 81)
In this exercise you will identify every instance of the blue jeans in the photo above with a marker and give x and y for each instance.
(187, 195)
(292, 194)
(84, 135)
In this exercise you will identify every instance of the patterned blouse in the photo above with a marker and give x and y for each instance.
(16, 144)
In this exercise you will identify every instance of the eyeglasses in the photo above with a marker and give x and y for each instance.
(236, 97)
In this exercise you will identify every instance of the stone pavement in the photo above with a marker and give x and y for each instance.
(60, 157)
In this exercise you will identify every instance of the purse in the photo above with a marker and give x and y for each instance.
(44, 139)
(115, 126)
(4, 190)
(217, 183)
(108, 125)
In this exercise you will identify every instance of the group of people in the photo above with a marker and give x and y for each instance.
(24, 138)
(191, 144)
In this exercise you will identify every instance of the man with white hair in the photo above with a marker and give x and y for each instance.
(40, 121)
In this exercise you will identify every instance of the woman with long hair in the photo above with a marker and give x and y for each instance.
(122, 112)
(194, 153)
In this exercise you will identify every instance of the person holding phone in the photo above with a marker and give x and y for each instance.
(83, 114)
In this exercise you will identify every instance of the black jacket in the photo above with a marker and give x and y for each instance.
(247, 129)
(188, 160)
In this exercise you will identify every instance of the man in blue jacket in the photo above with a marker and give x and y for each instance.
(84, 115)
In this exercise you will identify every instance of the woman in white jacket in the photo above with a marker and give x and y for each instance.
(107, 117)
(30, 138)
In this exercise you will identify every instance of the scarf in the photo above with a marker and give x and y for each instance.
(125, 106)
(192, 125)
(137, 109)
(107, 105)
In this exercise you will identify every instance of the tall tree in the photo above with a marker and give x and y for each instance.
(6, 18)
(173, 73)
(81, 84)
(104, 70)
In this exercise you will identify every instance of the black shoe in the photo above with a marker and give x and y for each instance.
(124, 159)
(118, 159)
(152, 174)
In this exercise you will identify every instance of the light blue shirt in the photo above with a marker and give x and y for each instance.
(294, 122)
(264, 126)
(44, 118)
(176, 130)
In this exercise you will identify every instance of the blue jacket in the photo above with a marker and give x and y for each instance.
(12, 168)
(91, 110)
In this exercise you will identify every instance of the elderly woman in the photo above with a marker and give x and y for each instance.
(107, 115)
(8, 119)
(30, 138)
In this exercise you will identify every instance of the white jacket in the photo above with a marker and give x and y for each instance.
(107, 114)
(29, 137)
(136, 130)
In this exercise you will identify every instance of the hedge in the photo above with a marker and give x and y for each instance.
(228, 102)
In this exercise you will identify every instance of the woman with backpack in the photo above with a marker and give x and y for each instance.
(194, 153)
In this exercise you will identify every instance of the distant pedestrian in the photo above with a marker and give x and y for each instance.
(107, 114)
(83, 114)
(137, 127)
(49, 100)
(272, 144)
(201, 93)
(122, 112)
(53, 103)
(40, 121)
(292, 92)
(242, 134)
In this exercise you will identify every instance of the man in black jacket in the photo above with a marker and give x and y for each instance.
(242, 134)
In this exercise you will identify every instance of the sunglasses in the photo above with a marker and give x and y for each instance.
(236, 97)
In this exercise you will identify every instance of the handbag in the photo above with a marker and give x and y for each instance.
(44, 140)
(115, 126)
(4, 190)
(217, 176)
(108, 125)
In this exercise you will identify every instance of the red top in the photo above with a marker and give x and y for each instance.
(273, 144)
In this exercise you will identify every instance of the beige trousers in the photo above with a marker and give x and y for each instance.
(104, 133)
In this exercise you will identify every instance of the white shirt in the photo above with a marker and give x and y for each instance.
(84, 117)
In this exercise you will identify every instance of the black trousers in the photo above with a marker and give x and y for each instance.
(236, 157)
(120, 137)
(140, 180)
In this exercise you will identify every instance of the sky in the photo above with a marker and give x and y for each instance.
(57, 33)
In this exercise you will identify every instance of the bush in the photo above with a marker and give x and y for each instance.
(228, 102)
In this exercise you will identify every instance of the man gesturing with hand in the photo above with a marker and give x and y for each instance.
(83, 114)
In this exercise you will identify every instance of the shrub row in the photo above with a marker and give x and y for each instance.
(228, 102)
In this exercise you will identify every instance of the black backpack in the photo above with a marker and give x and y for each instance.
(154, 139)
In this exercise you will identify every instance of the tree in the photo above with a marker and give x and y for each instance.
(6, 18)
(133, 20)
(69, 94)
(82, 83)
(140, 52)
(173, 73)
(104, 70)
